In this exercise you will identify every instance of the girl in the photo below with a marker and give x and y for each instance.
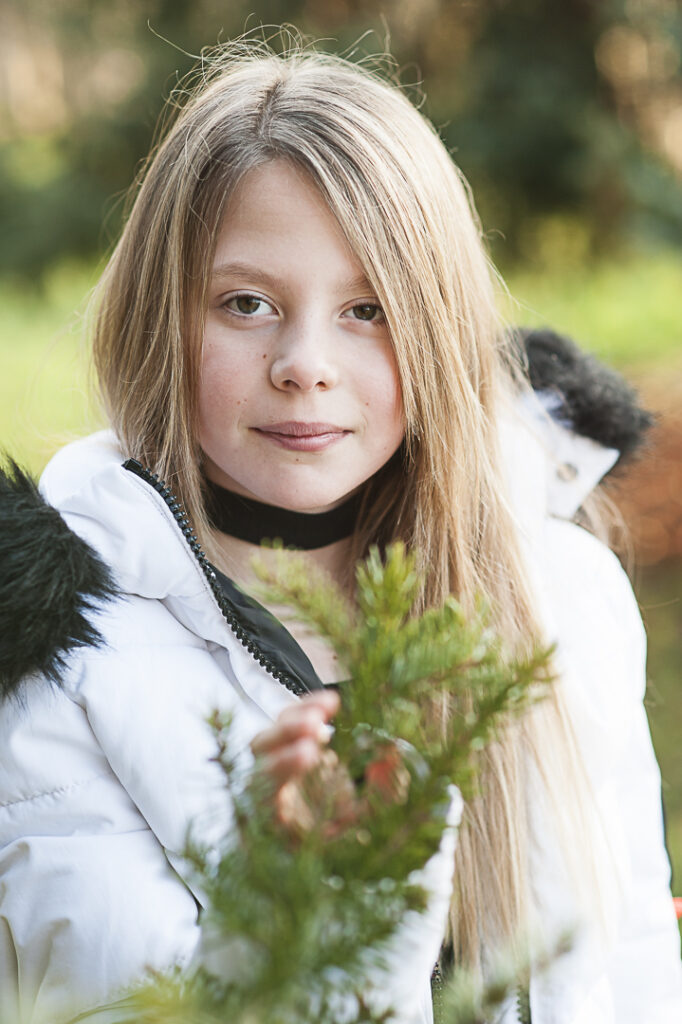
(296, 337)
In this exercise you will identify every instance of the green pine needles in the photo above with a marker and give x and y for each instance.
(299, 914)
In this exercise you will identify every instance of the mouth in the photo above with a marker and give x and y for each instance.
(303, 437)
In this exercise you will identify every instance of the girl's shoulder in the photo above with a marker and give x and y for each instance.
(600, 643)
(590, 585)
(77, 463)
(560, 439)
(93, 543)
(122, 517)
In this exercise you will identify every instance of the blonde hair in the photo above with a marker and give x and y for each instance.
(407, 215)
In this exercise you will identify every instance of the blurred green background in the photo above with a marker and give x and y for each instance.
(566, 118)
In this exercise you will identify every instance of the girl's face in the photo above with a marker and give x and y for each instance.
(299, 401)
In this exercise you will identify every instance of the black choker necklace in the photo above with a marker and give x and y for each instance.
(255, 522)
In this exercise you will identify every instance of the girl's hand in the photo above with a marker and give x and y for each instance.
(290, 749)
(294, 744)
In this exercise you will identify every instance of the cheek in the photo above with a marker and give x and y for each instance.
(395, 419)
(223, 389)
(392, 389)
(226, 360)
(383, 402)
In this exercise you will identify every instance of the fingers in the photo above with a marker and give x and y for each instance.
(304, 720)
(291, 747)
(291, 762)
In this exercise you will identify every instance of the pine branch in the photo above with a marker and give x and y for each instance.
(299, 585)
(294, 911)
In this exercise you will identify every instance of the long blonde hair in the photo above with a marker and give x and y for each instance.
(407, 215)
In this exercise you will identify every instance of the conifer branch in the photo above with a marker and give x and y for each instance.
(294, 911)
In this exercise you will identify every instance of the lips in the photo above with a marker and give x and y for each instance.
(299, 436)
(295, 428)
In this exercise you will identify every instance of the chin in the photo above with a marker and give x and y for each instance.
(283, 490)
(310, 506)
(311, 500)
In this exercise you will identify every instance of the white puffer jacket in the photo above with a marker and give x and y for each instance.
(100, 780)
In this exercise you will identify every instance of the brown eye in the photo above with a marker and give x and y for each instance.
(248, 305)
(368, 311)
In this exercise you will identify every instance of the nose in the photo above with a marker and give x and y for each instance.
(304, 359)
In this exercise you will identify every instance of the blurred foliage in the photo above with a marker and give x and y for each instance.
(659, 588)
(626, 309)
(44, 386)
(553, 110)
(299, 918)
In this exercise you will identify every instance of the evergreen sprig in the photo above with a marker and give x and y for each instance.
(294, 911)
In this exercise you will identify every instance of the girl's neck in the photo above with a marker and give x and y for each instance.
(235, 558)
(241, 523)
(251, 520)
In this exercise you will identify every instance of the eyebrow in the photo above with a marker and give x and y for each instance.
(358, 282)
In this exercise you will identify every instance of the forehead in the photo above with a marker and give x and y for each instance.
(277, 186)
(277, 217)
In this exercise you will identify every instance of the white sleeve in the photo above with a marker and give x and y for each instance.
(646, 972)
(645, 968)
(98, 785)
(603, 645)
(88, 900)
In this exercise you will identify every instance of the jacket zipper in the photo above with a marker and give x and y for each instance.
(182, 519)
(523, 1004)
(438, 984)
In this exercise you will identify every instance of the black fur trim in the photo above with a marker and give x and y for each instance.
(50, 580)
(596, 401)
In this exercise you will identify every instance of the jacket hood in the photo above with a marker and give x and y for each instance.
(50, 584)
(132, 528)
(590, 399)
(94, 532)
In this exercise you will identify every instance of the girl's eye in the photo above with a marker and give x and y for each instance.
(248, 305)
(369, 312)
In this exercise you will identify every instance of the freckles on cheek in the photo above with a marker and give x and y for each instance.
(384, 392)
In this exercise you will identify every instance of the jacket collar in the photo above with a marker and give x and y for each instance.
(132, 529)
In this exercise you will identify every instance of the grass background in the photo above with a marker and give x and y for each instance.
(628, 312)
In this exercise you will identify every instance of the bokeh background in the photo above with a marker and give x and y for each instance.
(566, 117)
